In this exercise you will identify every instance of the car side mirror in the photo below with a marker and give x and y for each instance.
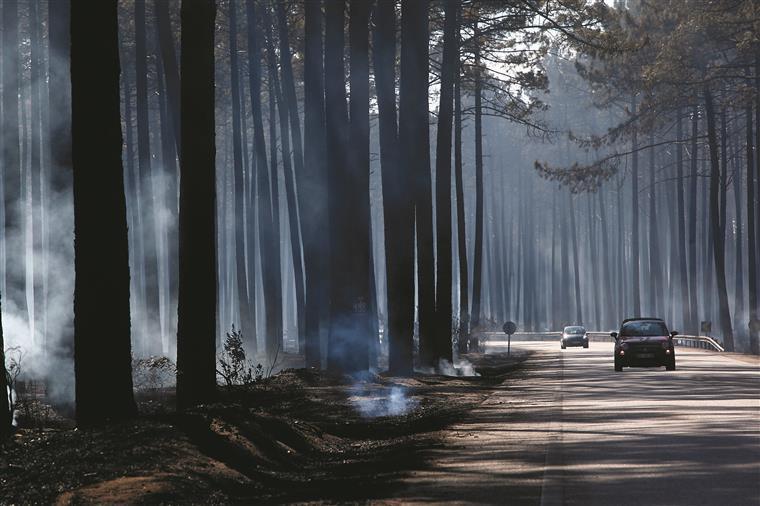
(614, 335)
(673, 334)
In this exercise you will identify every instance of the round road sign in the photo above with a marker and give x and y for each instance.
(509, 328)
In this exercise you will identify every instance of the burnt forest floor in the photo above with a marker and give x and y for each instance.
(301, 436)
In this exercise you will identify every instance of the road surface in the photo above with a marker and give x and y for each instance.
(569, 430)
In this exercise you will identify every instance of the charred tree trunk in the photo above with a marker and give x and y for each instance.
(312, 192)
(415, 17)
(197, 296)
(718, 245)
(103, 361)
(397, 203)
(347, 342)
(443, 305)
(360, 225)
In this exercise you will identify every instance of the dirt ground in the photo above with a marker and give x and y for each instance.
(300, 436)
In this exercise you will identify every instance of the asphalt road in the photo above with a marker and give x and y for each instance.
(570, 430)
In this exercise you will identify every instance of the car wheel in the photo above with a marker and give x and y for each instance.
(618, 368)
(563, 347)
(671, 366)
(585, 345)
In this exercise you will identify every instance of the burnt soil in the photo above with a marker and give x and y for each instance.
(296, 437)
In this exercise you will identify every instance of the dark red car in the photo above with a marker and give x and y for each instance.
(644, 342)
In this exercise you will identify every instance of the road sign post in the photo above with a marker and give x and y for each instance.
(509, 328)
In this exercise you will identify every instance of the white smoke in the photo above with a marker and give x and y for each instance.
(393, 403)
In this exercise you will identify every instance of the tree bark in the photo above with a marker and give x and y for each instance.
(752, 259)
(360, 225)
(103, 359)
(197, 296)
(290, 190)
(292, 183)
(313, 186)
(693, 325)
(635, 248)
(464, 279)
(397, 203)
(243, 297)
(443, 303)
(346, 349)
(169, 64)
(655, 270)
(268, 234)
(718, 245)
(477, 262)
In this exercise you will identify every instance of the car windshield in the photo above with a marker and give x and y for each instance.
(644, 328)
(575, 330)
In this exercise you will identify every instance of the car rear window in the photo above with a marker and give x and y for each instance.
(644, 328)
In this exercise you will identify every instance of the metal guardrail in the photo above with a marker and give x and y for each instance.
(701, 342)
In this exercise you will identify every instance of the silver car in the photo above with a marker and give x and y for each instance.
(574, 335)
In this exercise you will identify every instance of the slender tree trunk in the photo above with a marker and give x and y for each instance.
(313, 186)
(752, 259)
(243, 298)
(290, 191)
(37, 259)
(443, 305)
(718, 245)
(274, 338)
(290, 103)
(477, 273)
(464, 279)
(419, 153)
(683, 275)
(103, 361)
(655, 269)
(359, 159)
(635, 248)
(576, 267)
(169, 63)
(15, 258)
(398, 209)
(693, 326)
(268, 234)
(345, 352)
(197, 296)
(597, 293)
